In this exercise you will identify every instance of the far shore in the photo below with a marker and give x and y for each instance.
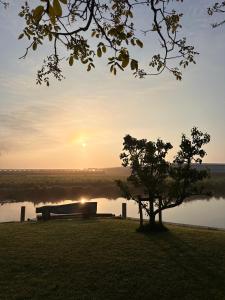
(55, 187)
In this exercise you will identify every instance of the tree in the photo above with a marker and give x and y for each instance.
(159, 184)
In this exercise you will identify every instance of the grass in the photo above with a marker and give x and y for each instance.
(108, 259)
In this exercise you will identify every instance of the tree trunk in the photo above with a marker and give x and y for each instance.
(160, 212)
(141, 214)
(151, 215)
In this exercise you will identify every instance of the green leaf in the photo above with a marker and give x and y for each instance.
(134, 64)
(21, 36)
(139, 43)
(51, 14)
(104, 49)
(84, 61)
(99, 52)
(37, 13)
(71, 60)
(57, 8)
(125, 61)
(89, 68)
(34, 46)
(50, 37)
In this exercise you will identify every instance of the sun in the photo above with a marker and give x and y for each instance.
(84, 145)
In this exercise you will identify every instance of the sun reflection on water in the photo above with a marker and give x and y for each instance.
(83, 200)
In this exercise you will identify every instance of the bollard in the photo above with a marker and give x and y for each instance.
(124, 210)
(22, 214)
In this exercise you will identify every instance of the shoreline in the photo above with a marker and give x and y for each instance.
(204, 227)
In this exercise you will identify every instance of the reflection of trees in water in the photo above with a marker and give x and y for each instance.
(209, 198)
(57, 194)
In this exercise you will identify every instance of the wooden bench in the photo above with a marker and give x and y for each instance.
(87, 209)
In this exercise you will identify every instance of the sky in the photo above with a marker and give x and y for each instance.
(81, 121)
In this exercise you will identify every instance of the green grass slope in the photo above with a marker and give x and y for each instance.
(107, 259)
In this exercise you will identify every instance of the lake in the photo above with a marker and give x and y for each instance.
(205, 212)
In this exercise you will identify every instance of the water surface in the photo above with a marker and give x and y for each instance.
(210, 212)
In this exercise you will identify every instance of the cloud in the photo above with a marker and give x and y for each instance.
(26, 128)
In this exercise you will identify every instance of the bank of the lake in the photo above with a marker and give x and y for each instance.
(41, 187)
(107, 259)
(203, 212)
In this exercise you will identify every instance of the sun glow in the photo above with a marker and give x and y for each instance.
(80, 140)
(82, 200)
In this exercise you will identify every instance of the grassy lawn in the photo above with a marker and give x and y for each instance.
(107, 259)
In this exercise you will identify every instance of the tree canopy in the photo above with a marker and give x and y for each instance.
(159, 184)
(81, 30)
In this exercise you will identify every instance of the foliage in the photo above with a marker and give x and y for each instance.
(87, 29)
(4, 3)
(92, 28)
(218, 7)
(163, 184)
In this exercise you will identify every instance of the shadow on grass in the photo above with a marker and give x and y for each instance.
(149, 229)
(195, 263)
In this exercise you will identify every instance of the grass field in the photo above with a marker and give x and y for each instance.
(107, 259)
(40, 188)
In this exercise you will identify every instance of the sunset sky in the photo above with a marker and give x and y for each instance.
(81, 121)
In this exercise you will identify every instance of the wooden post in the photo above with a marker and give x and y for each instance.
(22, 214)
(45, 215)
(124, 210)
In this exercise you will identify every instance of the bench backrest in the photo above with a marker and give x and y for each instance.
(89, 208)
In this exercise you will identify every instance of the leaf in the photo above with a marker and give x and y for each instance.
(50, 37)
(63, 1)
(134, 64)
(71, 60)
(21, 36)
(139, 43)
(34, 46)
(133, 42)
(84, 61)
(37, 13)
(125, 61)
(57, 8)
(112, 31)
(104, 49)
(99, 52)
(51, 14)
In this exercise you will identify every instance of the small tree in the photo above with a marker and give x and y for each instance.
(159, 184)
